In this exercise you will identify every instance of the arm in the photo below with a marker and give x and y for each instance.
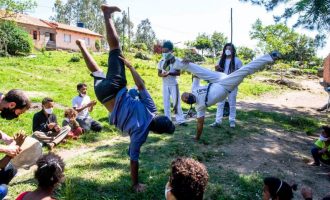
(196, 83)
(175, 73)
(6, 138)
(136, 77)
(200, 124)
(238, 64)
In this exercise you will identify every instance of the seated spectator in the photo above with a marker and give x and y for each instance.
(83, 105)
(70, 120)
(321, 149)
(45, 126)
(275, 188)
(49, 175)
(188, 180)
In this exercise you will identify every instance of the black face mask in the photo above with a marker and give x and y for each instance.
(191, 99)
(8, 114)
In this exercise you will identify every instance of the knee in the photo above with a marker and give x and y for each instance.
(314, 151)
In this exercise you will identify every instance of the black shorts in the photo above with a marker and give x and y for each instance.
(107, 88)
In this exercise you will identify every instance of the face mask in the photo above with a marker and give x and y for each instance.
(322, 138)
(8, 114)
(191, 99)
(167, 56)
(82, 95)
(228, 52)
(48, 110)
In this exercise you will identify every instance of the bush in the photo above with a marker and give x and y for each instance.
(75, 58)
(14, 40)
(140, 46)
(97, 45)
(141, 56)
(193, 57)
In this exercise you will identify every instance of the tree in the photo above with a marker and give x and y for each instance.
(246, 54)
(296, 47)
(12, 6)
(218, 41)
(145, 34)
(203, 42)
(85, 11)
(311, 14)
(124, 28)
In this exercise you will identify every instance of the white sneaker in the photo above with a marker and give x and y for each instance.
(232, 124)
(215, 124)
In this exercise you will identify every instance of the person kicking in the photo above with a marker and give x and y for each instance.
(133, 116)
(219, 86)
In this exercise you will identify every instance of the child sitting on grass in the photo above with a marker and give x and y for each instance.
(49, 175)
(70, 119)
(321, 149)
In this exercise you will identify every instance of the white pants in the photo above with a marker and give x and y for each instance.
(222, 80)
(172, 92)
(232, 107)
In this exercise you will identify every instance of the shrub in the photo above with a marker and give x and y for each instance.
(97, 45)
(194, 57)
(140, 46)
(14, 40)
(74, 58)
(141, 56)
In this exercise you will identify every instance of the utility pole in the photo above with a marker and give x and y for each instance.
(123, 36)
(231, 25)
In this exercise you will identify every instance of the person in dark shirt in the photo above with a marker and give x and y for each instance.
(45, 126)
(135, 116)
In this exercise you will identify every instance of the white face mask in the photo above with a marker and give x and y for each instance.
(228, 52)
(324, 139)
(48, 110)
(82, 95)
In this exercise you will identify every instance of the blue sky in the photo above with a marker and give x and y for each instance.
(182, 20)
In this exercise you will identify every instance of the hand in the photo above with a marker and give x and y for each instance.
(57, 128)
(19, 138)
(12, 150)
(322, 151)
(306, 192)
(51, 125)
(165, 74)
(93, 103)
(127, 64)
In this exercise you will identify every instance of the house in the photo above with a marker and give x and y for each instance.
(53, 35)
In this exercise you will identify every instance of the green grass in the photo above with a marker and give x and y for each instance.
(104, 173)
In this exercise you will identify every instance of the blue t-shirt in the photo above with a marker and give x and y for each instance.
(133, 116)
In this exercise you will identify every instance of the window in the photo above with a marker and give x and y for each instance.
(35, 35)
(87, 41)
(67, 38)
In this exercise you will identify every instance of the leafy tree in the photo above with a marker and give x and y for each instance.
(85, 11)
(145, 34)
(295, 46)
(203, 42)
(218, 41)
(124, 27)
(14, 40)
(246, 54)
(14, 6)
(311, 14)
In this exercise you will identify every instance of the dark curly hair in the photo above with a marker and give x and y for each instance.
(50, 170)
(188, 179)
(280, 189)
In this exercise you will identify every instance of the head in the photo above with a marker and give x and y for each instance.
(167, 50)
(50, 171)
(228, 51)
(161, 124)
(275, 188)
(14, 104)
(325, 135)
(82, 89)
(48, 105)
(188, 180)
(70, 113)
(188, 98)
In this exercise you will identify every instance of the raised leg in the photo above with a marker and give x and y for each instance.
(89, 60)
(112, 36)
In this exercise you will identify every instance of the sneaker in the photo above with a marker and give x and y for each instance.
(275, 55)
(232, 124)
(183, 124)
(215, 124)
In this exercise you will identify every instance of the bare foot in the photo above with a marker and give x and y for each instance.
(106, 9)
(80, 42)
(139, 187)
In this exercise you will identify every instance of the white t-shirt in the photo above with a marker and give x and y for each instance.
(238, 64)
(216, 94)
(169, 80)
(79, 102)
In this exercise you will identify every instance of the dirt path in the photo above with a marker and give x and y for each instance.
(276, 152)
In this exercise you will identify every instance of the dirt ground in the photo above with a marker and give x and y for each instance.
(278, 153)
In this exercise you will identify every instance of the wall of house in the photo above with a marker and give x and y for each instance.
(62, 44)
(42, 35)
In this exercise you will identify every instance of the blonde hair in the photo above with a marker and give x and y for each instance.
(70, 112)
